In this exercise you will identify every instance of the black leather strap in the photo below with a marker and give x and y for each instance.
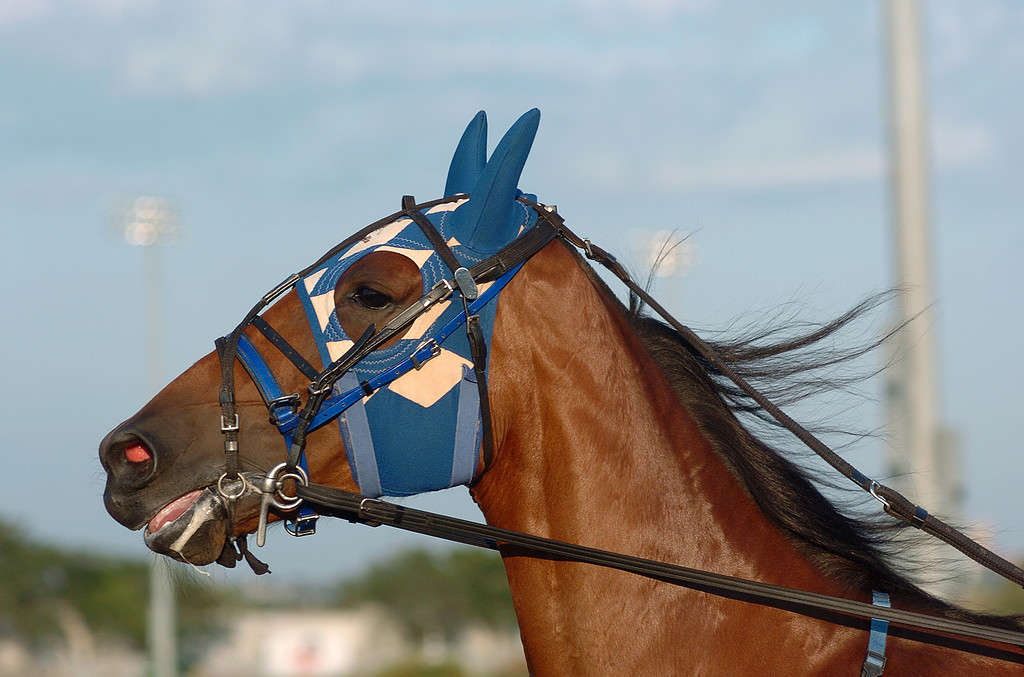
(358, 508)
(286, 348)
(478, 350)
(436, 240)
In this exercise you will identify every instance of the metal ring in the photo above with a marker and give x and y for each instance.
(873, 489)
(286, 502)
(281, 500)
(232, 497)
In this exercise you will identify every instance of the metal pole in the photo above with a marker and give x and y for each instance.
(148, 223)
(162, 635)
(922, 456)
(915, 396)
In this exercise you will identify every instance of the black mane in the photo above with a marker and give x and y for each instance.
(788, 363)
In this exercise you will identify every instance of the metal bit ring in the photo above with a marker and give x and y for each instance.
(229, 496)
(283, 501)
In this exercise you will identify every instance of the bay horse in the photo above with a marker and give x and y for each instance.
(589, 423)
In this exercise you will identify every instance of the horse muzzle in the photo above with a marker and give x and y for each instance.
(192, 528)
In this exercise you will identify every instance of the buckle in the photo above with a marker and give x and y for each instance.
(435, 350)
(226, 427)
(303, 525)
(291, 401)
(446, 285)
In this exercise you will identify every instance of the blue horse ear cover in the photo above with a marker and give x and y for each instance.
(470, 157)
(422, 431)
(488, 221)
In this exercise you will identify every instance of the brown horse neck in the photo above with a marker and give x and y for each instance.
(596, 448)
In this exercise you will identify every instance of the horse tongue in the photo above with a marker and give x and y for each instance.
(173, 510)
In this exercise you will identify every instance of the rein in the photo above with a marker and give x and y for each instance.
(320, 407)
(375, 512)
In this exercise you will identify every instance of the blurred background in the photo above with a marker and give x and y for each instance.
(163, 164)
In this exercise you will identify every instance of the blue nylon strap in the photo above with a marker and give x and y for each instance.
(467, 430)
(355, 432)
(283, 414)
(284, 417)
(874, 663)
(332, 408)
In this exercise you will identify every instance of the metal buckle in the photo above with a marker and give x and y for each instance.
(281, 288)
(304, 525)
(318, 391)
(435, 350)
(446, 284)
(292, 401)
(587, 250)
(226, 427)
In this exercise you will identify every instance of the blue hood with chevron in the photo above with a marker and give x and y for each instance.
(422, 431)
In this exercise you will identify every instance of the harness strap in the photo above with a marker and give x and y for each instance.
(279, 342)
(467, 430)
(874, 662)
(355, 431)
(436, 241)
(478, 349)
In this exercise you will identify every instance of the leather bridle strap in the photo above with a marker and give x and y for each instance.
(279, 342)
(893, 502)
(322, 382)
(373, 512)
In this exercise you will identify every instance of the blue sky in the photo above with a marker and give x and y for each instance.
(279, 128)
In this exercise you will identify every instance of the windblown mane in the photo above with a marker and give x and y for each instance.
(859, 552)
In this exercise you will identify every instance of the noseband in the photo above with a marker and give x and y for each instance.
(324, 402)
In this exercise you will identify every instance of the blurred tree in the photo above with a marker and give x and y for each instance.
(108, 593)
(436, 593)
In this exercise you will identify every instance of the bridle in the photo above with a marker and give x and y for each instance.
(295, 419)
(324, 403)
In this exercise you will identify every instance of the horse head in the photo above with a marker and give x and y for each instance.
(167, 470)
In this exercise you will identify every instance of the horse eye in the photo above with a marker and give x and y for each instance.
(371, 299)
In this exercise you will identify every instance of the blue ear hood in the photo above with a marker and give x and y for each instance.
(492, 217)
(470, 157)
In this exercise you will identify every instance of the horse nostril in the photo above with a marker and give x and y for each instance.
(137, 453)
(127, 456)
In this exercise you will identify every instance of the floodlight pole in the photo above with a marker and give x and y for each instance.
(149, 223)
(923, 458)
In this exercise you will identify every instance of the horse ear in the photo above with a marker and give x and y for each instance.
(488, 220)
(470, 157)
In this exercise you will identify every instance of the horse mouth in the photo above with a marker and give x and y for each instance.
(192, 528)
